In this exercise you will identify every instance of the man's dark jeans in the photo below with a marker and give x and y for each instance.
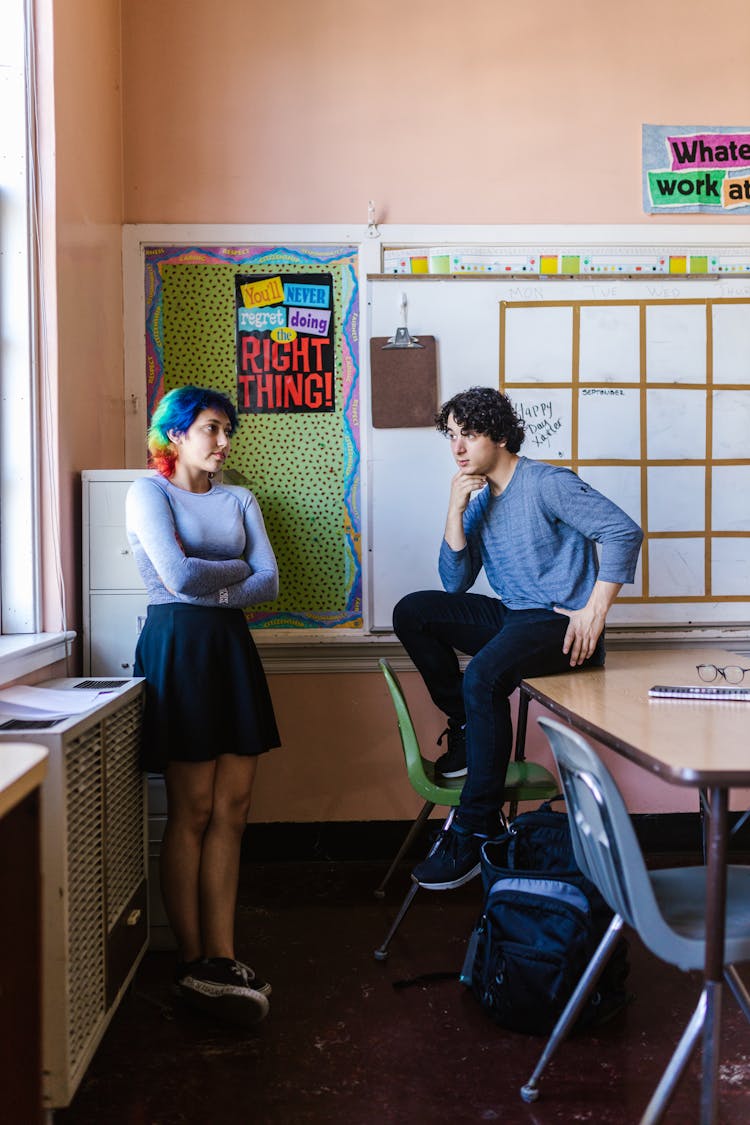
(505, 645)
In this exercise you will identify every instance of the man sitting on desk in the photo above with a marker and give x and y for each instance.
(533, 527)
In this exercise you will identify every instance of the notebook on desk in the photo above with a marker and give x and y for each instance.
(700, 691)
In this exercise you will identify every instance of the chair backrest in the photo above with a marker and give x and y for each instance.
(419, 770)
(605, 844)
(405, 725)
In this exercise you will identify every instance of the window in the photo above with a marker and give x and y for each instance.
(23, 647)
(19, 573)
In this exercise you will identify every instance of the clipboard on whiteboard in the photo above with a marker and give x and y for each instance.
(404, 386)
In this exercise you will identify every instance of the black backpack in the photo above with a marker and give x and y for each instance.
(541, 923)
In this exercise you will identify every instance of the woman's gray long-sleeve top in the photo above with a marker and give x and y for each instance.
(204, 548)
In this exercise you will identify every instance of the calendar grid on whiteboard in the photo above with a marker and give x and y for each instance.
(671, 406)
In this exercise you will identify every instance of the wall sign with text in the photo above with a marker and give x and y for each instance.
(696, 168)
(285, 352)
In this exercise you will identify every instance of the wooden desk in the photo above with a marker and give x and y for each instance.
(704, 744)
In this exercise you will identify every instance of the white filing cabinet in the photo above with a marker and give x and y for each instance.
(114, 609)
(114, 598)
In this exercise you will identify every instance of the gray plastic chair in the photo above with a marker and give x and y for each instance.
(666, 908)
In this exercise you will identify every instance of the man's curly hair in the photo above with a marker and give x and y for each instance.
(485, 411)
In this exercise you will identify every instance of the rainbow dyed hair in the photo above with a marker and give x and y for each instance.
(177, 411)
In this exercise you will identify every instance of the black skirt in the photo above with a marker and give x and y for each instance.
(206, 691)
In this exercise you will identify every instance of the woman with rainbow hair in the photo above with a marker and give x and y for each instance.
(203, 553)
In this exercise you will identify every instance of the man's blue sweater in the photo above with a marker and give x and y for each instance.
(536, 540)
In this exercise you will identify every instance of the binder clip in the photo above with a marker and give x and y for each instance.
(402, 337)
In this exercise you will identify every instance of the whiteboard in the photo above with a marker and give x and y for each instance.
(640, 385)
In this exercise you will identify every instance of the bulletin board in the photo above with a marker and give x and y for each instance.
(275, 329)
(642, 387)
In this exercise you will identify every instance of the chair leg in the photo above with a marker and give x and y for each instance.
(530, 1092)
(741, 995)
(381, 953)
(703, 811)
(736, 827)
(663, 1093)
(520, 748)
(412, 834)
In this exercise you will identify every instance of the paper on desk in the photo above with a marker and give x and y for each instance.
(14, 711)
(48, 701)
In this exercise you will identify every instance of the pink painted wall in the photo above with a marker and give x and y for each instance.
(223, 111)
(490, 111)
(81, 129)
(341, 757)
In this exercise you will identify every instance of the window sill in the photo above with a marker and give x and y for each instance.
(22, 653)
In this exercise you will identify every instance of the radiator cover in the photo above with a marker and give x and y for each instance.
(94, 875)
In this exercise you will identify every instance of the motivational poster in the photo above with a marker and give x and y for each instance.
(696, 168)
(285, 351)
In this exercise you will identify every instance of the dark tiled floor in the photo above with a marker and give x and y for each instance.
(343, 1045)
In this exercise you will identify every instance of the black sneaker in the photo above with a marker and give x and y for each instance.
(453, 762)
(255, 980)
(453, 860)
(183, 969)
(222, 987)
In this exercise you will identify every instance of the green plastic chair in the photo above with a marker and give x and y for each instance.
(524, 781)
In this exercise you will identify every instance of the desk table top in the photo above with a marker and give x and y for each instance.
(23, 767)
(688, 742)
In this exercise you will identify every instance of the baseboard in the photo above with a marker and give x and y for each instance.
(330, 841)
(379, 840)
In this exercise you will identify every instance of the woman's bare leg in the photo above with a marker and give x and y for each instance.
(220, 857)
(190, 789)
